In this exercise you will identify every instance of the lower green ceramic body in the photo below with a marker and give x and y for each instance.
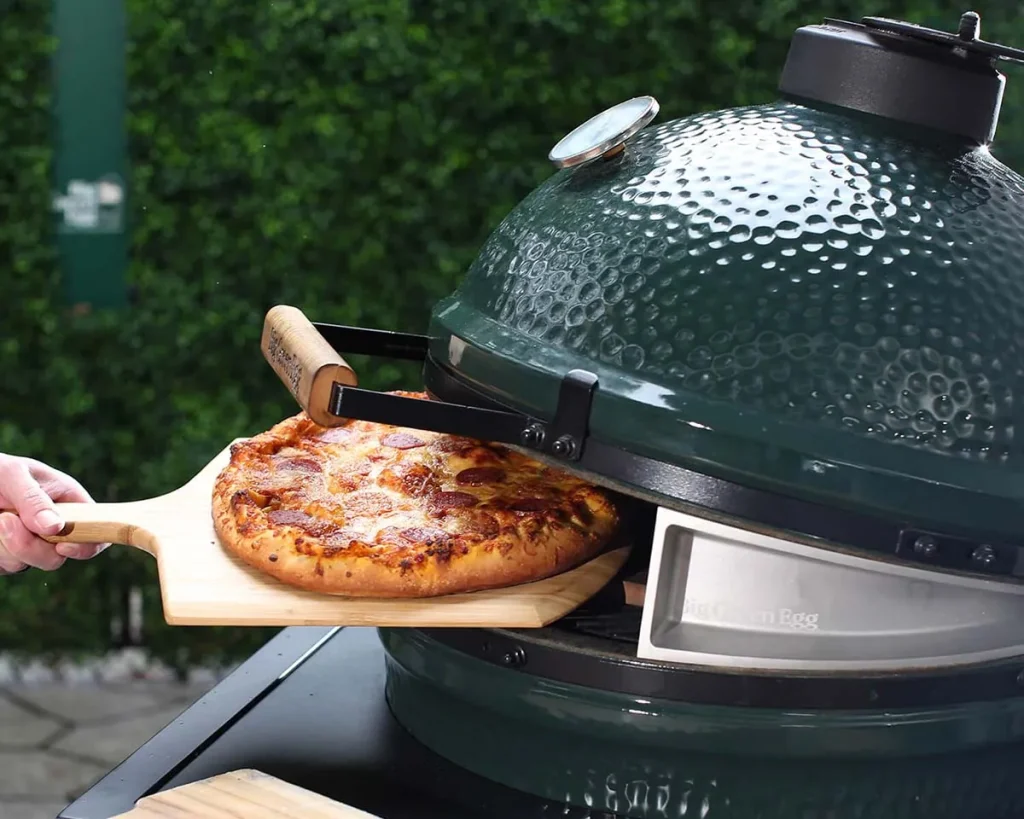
(648, 758)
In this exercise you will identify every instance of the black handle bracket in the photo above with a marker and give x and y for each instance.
(563, 438)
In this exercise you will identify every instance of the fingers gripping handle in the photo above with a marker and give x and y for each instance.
(103, 523)
(304, 361)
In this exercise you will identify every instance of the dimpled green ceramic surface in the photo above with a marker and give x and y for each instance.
(807, 300)
(654, 759)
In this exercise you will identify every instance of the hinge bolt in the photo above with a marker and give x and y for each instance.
(970, 26)
(564, 447)
(532, 436)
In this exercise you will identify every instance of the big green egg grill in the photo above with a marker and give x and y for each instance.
(789, 337)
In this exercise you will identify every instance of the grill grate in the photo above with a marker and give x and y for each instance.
(622, 626)
(607, 615)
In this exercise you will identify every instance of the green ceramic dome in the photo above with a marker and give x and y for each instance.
(800, 297)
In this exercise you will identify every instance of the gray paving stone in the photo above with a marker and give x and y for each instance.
(106, 722)
(32, 810)
(86, 672)
(113, 742)
(35, 671)
(37, 773)
(20, 729)
(7, 675)
(122, 666)
(163, 693)
(87, 703)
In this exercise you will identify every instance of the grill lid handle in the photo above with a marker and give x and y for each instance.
(945, 82)
(306, 364)
(967, 37)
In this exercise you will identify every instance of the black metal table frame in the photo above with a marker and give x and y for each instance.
(324, 690)
(158, 760)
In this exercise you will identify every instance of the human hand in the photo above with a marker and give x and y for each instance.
(30, 488)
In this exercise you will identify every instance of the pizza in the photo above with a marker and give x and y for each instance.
(372, 510)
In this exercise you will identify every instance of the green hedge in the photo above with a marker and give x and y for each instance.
(346, 157)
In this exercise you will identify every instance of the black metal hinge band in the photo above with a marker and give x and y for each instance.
(564, 438)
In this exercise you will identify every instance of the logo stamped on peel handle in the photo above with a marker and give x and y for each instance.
(284, 362)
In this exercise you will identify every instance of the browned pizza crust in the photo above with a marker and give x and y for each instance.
(370, 510)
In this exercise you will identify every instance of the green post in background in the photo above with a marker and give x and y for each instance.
(90, 162)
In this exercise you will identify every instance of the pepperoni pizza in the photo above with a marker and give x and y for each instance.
(370, 510)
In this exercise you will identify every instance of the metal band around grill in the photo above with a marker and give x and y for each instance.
(542, 653)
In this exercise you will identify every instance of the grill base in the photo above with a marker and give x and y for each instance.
(643, 757)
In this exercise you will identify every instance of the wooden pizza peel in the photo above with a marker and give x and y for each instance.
(247, 793)
(202, 584)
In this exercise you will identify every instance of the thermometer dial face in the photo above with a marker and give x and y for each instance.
(601, 134)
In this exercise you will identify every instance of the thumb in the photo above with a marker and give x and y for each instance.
(33, 505)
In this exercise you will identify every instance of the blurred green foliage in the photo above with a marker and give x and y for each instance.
(345, 156)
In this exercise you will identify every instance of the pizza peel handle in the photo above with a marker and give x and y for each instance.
(105, 523)
(304, 361)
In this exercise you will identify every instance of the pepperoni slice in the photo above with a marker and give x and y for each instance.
(402, 440)
(336, 435)
(452, 443)
(440, 501)
(300, 465)
(289, 517)
(477, 475)
(308, 523)
(393, 536)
